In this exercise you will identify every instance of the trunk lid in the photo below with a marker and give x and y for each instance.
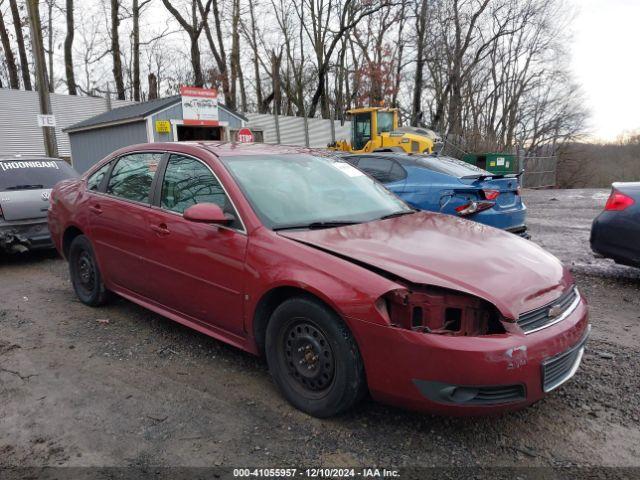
(25, 204)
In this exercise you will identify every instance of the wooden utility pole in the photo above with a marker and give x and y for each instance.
(49, 133)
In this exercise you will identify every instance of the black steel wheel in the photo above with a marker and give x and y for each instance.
(309, 356)
(85, 274)
(313, 357)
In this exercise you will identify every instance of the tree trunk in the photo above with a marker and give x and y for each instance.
(421, 32)
(153, 87)
(198, 78)
(52, 81)
(275, 74)
(68, 50)
(14, 82)
(115, 49)
(22, 51)
(37, 47)
(136, 49)
(236, 69)
(221, 60)
(256, 60)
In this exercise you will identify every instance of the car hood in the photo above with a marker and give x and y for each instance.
(428, 248)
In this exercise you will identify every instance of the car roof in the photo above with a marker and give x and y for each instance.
(404, 158)
(225, 149)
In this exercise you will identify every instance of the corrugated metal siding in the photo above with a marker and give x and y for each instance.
(90, 146)
(292, 129)
(19, 109)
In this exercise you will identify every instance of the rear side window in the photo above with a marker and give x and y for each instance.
(33, 174)
(382, 169)
(94, 181)
(132, 176)
(450, 166)
(188, 181)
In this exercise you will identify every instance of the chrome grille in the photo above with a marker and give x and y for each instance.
(551, 313)
(559, 369)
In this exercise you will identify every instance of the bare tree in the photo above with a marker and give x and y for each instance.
(68, 50)
(22, 51)
(136, 10)
(193, 29)
(325, 39)
(115, 49)
(421, 38)
(14, 82)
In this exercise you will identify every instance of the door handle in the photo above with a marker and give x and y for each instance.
(95, 209)
(161, 229)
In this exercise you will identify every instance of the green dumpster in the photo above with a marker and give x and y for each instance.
(501, 163)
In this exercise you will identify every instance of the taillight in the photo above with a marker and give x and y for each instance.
(491, 194)
(1, 214)
(618, 201)
(473, 207)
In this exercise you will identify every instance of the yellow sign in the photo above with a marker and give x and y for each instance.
(163, 126)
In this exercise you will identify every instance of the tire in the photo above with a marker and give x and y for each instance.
(85, 274)
(313, 358)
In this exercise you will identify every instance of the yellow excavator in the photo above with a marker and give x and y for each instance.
(376, 129)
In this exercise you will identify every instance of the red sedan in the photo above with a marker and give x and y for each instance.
(342, 286)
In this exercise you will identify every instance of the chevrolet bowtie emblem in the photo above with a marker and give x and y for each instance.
(555, 311)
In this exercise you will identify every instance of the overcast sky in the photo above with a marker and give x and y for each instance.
(606, 60)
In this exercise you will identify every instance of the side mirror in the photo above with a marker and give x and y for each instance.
(206, 213)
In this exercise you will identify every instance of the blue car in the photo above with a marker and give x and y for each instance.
(448, 185)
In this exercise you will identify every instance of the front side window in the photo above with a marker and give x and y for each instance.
(94, 181)
(132, 176)
(297, 190)
(188, 181)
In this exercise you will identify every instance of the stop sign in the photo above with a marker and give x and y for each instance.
(245, 135)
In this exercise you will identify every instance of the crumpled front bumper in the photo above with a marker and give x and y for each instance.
(423, 372)
(17, 237)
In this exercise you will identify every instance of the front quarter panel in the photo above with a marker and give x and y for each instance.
(274, 261)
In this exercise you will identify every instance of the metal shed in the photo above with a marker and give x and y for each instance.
(158, 120)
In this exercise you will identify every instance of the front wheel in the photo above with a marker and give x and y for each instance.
(313, 358)
(85, 274)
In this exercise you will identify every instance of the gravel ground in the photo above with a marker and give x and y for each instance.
(121, 386)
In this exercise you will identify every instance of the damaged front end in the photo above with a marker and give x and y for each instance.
(440, 311)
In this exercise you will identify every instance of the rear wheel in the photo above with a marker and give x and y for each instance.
(313, 358)
(85, 274)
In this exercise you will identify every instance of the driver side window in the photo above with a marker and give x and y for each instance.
(188, 181)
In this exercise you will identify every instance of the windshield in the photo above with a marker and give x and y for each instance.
(451, 166)
(295, 190)
(26, 174)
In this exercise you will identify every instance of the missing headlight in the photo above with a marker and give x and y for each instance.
(441, 311)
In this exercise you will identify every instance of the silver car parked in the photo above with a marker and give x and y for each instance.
(25, 187)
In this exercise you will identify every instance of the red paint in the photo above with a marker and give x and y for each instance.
(212, 278)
